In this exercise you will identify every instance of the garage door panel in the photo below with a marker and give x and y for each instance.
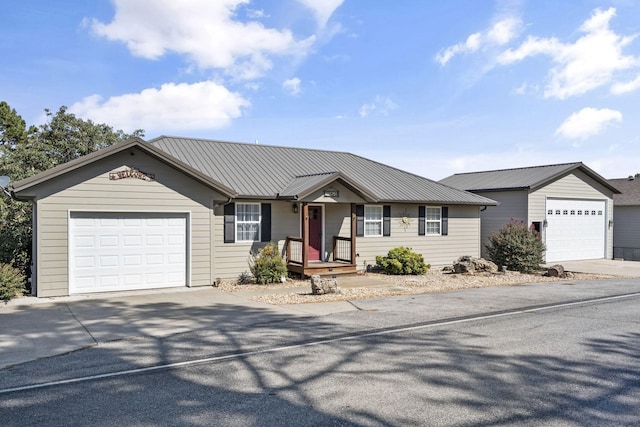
(575, 229)
(126, 251)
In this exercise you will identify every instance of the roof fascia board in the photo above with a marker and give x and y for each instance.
(336, 176)
(580, 166)
(487, 202)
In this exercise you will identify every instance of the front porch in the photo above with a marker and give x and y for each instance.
(298, 263)
(342, 256)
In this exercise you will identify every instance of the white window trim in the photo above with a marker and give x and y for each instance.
(259, 222)
(432, 221)
(381, 221)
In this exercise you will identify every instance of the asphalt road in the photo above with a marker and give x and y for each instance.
(570, 365)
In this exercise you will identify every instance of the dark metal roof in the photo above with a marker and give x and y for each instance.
(630, 191)
(528, 178)
(265, 171)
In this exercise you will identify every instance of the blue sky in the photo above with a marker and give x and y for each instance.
(434, 88)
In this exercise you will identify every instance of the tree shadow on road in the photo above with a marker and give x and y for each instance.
(419, 377)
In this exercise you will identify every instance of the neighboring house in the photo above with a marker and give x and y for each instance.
(626, 218)
(569, 204)
(188, 212)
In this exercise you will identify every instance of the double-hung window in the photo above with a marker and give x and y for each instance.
(247, 222)
(433, 220)
(373, 221)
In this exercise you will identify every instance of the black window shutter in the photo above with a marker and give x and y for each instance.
(445, 221)
(265, 225)
(386, 220)
(421, 219)
(230, 223)
(359, 220)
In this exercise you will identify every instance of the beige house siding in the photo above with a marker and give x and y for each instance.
(90, 189)
(513, 205)
(626, 232)
(231, 259)
(463, 237)
(576, 185)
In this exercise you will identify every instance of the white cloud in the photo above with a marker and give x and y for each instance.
(588, 63)
(620, 88)
(500, 33)
(322, 9)
(292, 85)
(207, 32)
(381, 105)
(588, 122)
(202, 105)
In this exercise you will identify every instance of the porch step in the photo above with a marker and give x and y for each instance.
(326, 269)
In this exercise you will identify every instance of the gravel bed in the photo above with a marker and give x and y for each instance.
(432, 281)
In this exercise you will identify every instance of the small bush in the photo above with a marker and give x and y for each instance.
(516, 247)
(402, 260)
(268, 266)
(12, 282)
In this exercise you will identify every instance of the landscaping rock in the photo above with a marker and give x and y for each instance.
(470, 265)
(322, 286)
(556, 271)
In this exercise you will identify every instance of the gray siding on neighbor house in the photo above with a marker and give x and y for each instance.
(576, 185)
(513, 205)
(626, 232)
(90, 189)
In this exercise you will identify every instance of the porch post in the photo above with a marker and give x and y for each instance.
(353, 233)
(305, 235)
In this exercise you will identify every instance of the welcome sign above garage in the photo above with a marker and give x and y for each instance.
(131, 173)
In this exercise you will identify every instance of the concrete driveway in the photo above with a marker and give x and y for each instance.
(603, 266)
(34, 328)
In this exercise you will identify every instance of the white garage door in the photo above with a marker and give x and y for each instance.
(126, 251)
(575, 229)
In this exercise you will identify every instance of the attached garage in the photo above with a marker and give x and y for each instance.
(126, 251)
(575, 229)
(570, 205)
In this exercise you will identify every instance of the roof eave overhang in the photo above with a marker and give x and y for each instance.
(356, 188)
(495, 190)
(584, 168)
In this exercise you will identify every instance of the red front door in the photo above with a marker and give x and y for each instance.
(315, 233)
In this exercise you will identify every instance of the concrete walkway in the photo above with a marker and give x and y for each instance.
(33, 328)
(603, 266)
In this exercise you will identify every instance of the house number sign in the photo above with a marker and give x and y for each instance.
(131, 173)
(331, 193)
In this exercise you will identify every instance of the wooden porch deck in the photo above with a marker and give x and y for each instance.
(333, 268)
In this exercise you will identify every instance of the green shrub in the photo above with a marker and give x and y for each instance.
(516, 247)
(402, 260)
(268, 266)
(12, 282)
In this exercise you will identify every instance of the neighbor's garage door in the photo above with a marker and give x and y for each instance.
(575, 229)
(126, 251)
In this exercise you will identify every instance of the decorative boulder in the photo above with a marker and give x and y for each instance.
(321, 286)
(470, 265)
(556, 271)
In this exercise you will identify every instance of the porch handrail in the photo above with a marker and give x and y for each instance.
(294, 250)
(342, 249)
